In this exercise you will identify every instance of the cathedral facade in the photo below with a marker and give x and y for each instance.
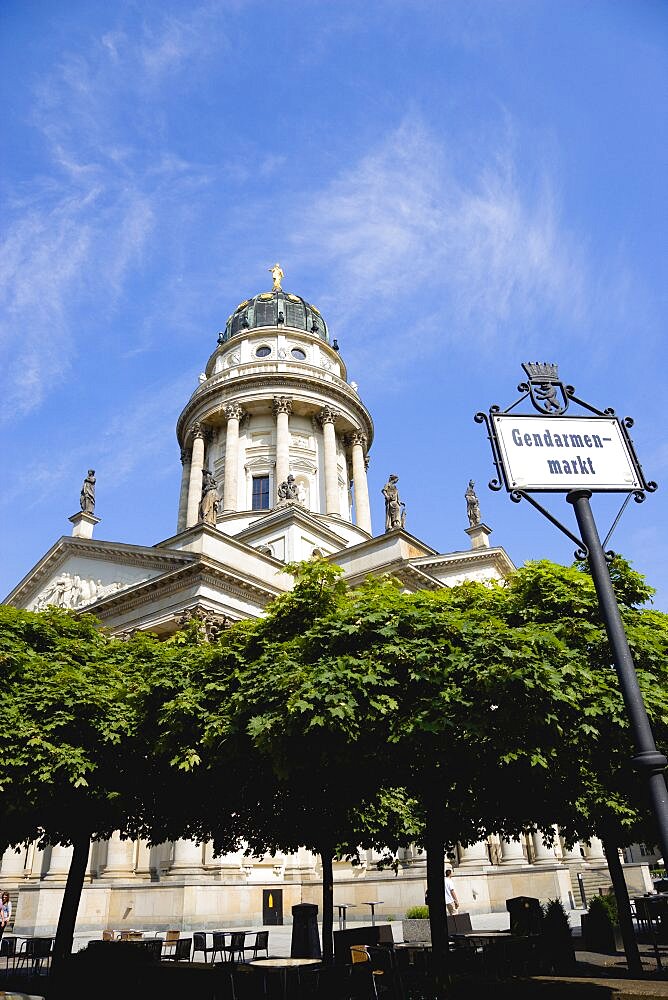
(274, 444)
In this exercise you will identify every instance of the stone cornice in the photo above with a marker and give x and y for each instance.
(376, 541)
(274, 519)
(401, 570)
(202, 570)
(210, 399)
(120, 553)
(495, 554)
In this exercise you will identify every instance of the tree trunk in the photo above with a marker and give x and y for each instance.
(326, 856)
(623, 902)
(435, 845)
(62, 948)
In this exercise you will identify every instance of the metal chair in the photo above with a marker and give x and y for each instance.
(36, 951)
(154, 948)
(261, 943)
(199, 944)
(8, 950)
(235, 949)
(180, 952)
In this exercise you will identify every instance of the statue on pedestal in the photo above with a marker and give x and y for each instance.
(277, 275)
(472, 505)
(87, 496)
(395, 516)
(210, 502)
(288, 490)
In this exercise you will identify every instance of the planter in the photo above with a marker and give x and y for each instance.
(416, 930)
(601, 937)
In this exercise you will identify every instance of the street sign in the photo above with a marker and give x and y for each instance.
(558, 454)
(580, 455)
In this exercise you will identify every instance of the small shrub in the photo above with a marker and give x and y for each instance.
(607, 905)
(557, 947)
(417, 913)
(555, 920)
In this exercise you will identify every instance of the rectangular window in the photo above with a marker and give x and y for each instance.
(260, 493)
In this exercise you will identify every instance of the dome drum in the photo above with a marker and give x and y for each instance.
(275, 309)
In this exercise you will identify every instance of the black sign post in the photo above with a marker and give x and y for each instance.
(579, 456)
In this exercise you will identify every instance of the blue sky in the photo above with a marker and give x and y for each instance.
(459, 186)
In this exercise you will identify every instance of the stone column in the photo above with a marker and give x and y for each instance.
(59, 866)
(327, 417)
(12, 863)
(362, 507)
(543, 853)
(195, 483)
(234, 413)
(183, 495)
(594, 852)
(120, 857)
(571, 854)
(512, 852)
(187, 859)
(282, 411)
(474, 856)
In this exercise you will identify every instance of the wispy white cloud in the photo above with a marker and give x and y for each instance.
(407, 219)
(78, 229)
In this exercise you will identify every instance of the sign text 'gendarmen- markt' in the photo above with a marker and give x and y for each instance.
(564, 453)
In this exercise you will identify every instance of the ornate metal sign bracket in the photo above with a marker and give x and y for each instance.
(582, 552)
(579, 455)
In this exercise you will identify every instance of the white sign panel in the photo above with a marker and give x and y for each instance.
(565, 453)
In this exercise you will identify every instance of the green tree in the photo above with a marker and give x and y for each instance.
(77, 758)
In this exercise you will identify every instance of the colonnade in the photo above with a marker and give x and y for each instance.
(192, 460)
(128, 858)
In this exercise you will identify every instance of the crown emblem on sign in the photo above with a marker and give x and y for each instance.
(541, 370)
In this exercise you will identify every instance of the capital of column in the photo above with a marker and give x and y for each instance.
(186, 455)
(197, 430)
(356, 437)
(234, 411)
(328, 415)
(282, 404)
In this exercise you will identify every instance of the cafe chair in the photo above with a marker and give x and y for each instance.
(172, 936)
(108, 935)
(199, 944)
(261, 944)
(235, 949)
(8, 950)
(154, 948)
(180, 952)
(37, 952)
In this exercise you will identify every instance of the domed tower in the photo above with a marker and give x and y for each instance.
(274, 403)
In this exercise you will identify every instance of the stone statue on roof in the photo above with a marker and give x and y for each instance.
(395, 516)
(472, 505)
(87, 496)
(210, 502)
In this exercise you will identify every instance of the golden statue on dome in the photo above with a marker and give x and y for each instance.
(277, 274)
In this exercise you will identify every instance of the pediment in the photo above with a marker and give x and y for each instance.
(78, 572)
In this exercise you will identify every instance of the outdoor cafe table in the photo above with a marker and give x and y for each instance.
(283, 966)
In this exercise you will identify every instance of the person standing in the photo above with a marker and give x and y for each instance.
(451, 901)
(5, 912)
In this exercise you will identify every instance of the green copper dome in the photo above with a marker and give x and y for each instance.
(276, 308)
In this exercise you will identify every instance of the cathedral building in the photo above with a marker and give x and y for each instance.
(274, 444)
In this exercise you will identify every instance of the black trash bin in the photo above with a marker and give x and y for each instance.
(526, 915)
(305, 937)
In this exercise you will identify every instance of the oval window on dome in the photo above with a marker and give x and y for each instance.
(298, 354)
(263, 352)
